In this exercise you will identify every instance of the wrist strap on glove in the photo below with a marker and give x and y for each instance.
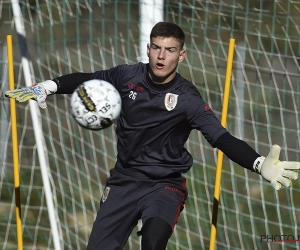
(258, 163)
(49, 86)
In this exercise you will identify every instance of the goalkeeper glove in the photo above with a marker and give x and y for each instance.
(275, 171)
(38, 92)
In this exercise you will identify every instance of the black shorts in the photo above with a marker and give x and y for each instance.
(128, 198)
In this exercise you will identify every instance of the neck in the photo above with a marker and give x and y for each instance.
(161, 80)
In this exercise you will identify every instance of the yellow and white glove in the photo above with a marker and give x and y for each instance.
(38, 92)
(275, 171)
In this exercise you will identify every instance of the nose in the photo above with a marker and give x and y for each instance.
(161, 55)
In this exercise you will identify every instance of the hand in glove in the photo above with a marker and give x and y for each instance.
(38, 92)
(275, 171)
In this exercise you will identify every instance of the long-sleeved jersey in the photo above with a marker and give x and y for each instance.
(156, 120)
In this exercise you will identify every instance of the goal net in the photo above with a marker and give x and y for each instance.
(84, 36)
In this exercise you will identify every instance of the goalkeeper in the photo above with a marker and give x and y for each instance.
(159, 110)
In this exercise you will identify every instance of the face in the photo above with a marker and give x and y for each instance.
(164, 55)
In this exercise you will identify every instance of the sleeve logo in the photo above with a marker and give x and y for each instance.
(171, 101)
(206, 107)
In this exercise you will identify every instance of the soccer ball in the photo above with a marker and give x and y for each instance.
(95, 104)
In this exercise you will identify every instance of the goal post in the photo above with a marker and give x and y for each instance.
(70, 36)
(150, 13)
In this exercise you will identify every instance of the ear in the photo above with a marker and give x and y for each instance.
(148, 49)
(181, 56)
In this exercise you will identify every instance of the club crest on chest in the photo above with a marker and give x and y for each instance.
(171, 101)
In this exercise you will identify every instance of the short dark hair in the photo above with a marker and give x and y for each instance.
(168, 29)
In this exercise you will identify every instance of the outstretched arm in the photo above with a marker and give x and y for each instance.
(270, 168)
(61, 85)
(38, 92)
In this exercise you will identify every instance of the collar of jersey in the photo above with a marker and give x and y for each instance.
(161, 86)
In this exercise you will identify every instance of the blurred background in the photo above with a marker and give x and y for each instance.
(84, 36)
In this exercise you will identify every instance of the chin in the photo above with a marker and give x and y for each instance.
(161, 73)
(159, 76)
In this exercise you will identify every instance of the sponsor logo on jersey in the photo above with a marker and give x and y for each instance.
(135, 87)
(173, 189)
(171, 101)
(105, 194)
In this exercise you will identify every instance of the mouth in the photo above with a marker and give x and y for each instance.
(160, 66)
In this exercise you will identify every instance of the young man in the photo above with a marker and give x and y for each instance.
(159, 110)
